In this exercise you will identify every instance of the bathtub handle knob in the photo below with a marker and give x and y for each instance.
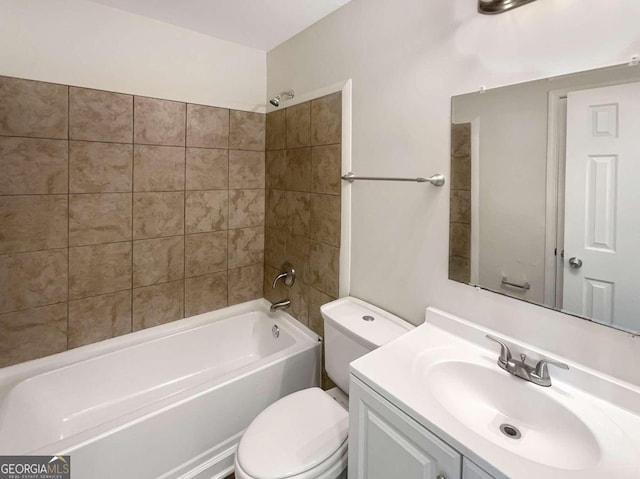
(288, 274)
(275, 331)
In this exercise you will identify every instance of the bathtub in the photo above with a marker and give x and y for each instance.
(166, 402)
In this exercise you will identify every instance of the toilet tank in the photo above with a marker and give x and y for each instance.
(352, 328)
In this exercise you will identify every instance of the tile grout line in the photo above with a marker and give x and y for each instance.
(68, 212)
(133, 154)
(184, 231)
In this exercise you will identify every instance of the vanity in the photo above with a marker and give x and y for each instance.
(434, 404)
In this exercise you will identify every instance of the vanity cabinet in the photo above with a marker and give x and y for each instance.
(384, 443)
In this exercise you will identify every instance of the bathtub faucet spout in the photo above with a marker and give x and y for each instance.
(285, 303)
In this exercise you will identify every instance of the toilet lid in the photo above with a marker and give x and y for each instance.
(293, 435)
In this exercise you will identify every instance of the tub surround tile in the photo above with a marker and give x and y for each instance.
(461, 140)
(32, 223)
(207, 126)
(206, 211)
(246, 247)
(246, 130)
(298, 212)
(297, 253)
(326, 119)
(158, 168)
(29, 280)
(298, 174)
(461, 173)
(323, 267)
(100, 167)
(99, 269)
(317, 299)
(32, 166)
(274, 246)
(159, 122)
(207, 169)
(245, 284)
(276, 209)
(325, 219)
(246, 208)
(206, 253)
(299, 296)
(33, 334)
(158, 304)
(326, 168)
(158, 214)
(96, 115)
(205, 293)
(460, 240)
(276, 169)
(460, 206)
(276, 130)
(99, 218)
(158, 260)
(273, 294)
(99, 318)
(246, 169)
(459, 269)
(299, 125)
(33, 108)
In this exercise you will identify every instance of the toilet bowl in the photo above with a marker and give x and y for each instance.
(305, 434)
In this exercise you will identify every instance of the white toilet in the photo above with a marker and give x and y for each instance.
(304, 435)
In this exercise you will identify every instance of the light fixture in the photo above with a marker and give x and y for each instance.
(492, 7)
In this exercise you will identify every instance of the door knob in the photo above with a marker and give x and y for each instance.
(575, 263)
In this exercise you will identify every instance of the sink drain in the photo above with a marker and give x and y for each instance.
(510, 431)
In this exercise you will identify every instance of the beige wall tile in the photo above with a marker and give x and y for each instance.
(207, 169)
(29, 280)
(32, 334)
(246, 247)
(96, 115)
(276, 130)
(158, 304)
(276, 209)
(99, 269)
(326, 169)
(461, 173)
(158, 214)
(246, 130)
(206, 253)
(159, 122)
(325, 219)
(326, 119)
(298, 175)
(205, 293)
(274, 246)
(461, 140)
(298, 212)
(100, 167)
(99, 218)
(206, 211)
(460, 206)
(298, 295)
(158, 168)
(158, 260)
(99, 318)
(324, 262)
(317, 299)
(246, 208)
(460, 240)
(297, 253)
(245, 284)
(280, 291)
(207, 126)
(299, 125)
(276, 169)
(32, 166)
(32, 108)
(459, 269)
(246, 169)
(31, 223)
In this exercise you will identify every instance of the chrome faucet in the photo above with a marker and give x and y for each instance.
(538, 374)
(285, 303)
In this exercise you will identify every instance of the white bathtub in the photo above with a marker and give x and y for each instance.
(170, 401)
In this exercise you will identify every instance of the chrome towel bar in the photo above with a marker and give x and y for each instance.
(435, 180)
(526, 286)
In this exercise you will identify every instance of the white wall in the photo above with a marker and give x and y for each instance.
(82, 43)
(406, 60)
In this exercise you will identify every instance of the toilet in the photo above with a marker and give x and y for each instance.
(304, 435)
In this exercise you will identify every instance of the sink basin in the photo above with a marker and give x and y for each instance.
(534, 424)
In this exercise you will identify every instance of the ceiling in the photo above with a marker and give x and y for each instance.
(261, 24)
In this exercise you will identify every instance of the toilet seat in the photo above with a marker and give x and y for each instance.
(303, 435)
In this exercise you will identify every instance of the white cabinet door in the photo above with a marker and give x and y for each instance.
(472, 471)
(385, 443)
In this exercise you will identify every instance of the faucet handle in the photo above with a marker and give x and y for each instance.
(289, 276)
(505, 353)
(542, 371)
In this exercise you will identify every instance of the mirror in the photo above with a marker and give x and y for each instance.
(545, 193)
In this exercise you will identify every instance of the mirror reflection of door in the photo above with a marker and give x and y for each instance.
(602, 223)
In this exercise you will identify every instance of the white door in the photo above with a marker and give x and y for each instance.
(602, 223)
